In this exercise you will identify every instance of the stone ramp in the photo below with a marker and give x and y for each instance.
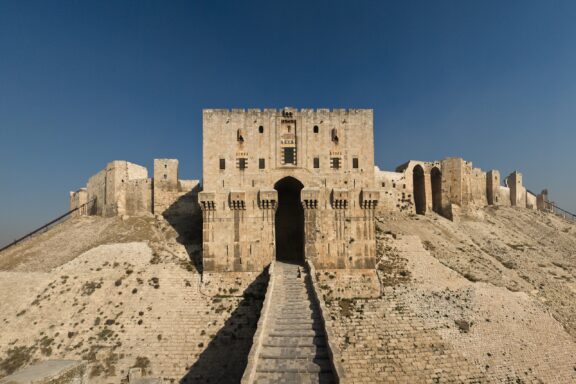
(291, 346)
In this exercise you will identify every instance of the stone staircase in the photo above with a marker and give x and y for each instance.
(292, 342)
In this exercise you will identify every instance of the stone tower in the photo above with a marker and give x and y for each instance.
(288, 184)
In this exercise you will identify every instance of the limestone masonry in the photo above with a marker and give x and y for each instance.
(294, 260)
(296, 185)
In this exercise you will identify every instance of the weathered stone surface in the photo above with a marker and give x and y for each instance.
(290, 344)
(50, 372)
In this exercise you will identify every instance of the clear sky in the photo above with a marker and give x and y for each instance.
(86, 82)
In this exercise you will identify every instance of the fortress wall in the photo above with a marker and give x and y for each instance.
(531, 200)
(244, 156)
(182, 201)
(542, 201)
(137, 197)
(394, 192)
(464, 188)
(492, 185)
(96, 188)
(108, 189)
(475, 186)
(504, 196)
(123, 188)
(77, 199)
(408, 169)
(517, 190)
(452, 181)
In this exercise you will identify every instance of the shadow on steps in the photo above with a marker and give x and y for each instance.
(225, 358)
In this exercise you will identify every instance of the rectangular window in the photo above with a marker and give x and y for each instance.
(222, 163)
(261, 163)
(289, 156)
(355, 163)
(316, 162)
(242, 163)
(335, 163)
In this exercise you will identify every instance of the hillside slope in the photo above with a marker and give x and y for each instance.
(121, 294)
(489, 299)
(519, 249)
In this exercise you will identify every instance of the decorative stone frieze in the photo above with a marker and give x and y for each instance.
(207, 201)
(369, 198)
(237, 200)
(340, 198)
(309, 198)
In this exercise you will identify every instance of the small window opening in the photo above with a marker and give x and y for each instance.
(335, 163)
(242, 163)
(261, 163)
(260, 129)
(240, 136)
(316, 162)
(165, 176)
(383, 185)
(334, 135)
(355, 163)
(289, 156)
(222, 163)
(316, 129)
(165, 165)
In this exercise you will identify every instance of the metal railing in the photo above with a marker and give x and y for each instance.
(82, 210)
(559, 211)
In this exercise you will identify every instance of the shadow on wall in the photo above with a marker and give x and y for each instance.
(226, 357)
(185, 217)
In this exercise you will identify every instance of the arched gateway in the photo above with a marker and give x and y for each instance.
(288, 185)
(289, 226)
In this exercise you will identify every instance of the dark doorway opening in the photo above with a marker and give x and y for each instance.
(419, 189)
(436, 179)
(289, 221)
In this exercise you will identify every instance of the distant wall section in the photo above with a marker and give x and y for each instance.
(123, 188)
(451, 187)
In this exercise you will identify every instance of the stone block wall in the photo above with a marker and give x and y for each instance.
(531, 200)
(136, 197)
(326, 154)
(395, 194)
(517, 190)
(107, 188)
(424, 194)
(79, 199)
(463, 189)
(123, 188)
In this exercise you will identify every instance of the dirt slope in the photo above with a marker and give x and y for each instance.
(490, 299)
(519, 249)
(483, 300)
(120, 294)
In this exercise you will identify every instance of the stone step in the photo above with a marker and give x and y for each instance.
(291, 341)
(297, 327)
(315, 365)
(293, 377)
(293, 317)
(295, 333)
(293, 352)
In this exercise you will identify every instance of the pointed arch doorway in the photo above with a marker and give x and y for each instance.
(289, 223)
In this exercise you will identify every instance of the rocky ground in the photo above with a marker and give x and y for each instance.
(485, 299)
(121, 294)
(489, 299)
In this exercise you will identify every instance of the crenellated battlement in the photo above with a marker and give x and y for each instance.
(294, 111)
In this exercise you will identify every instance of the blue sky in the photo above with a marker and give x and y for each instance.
(86, 82)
